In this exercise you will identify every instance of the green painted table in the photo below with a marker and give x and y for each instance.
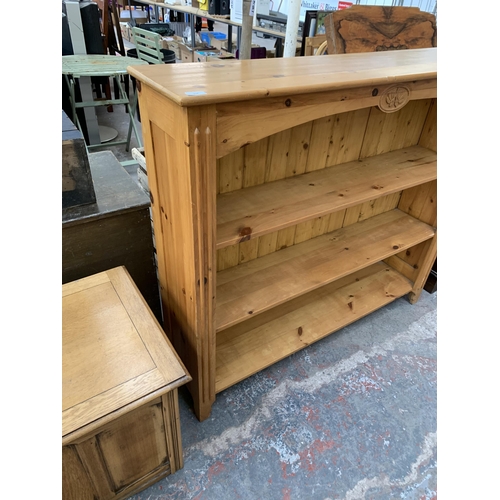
(93, 65)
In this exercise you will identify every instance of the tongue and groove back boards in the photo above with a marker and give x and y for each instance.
(322, 143)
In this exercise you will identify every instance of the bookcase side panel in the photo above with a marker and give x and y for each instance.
(181, 176)
(420, 202)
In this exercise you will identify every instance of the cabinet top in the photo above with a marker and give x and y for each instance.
(192, 84)
(114, 354)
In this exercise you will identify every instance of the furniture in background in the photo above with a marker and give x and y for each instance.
(110, 27)
(81, 34)
(123, 5)
(315, 45)
(194, 11)
(77, 66)
(372, 28)
(77, 185)
(120, 376)
(313, 31)
(148, 46)
(290, 197)
(114, 231)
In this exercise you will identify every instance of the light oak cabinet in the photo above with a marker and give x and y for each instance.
(290, 197)
(120, 412)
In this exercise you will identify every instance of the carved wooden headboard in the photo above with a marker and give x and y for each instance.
(372, 28)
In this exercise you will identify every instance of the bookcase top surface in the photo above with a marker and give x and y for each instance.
(233, 80)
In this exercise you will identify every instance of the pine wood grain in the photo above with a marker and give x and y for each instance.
(271, 121)
(259, 210)
(347, 137)
(277, 155)
(255, 159)
(428, 138)
(269, 116)
(231, 172)
(187, 259)
(371, 208)
(208, 83)
(299, 149)
(389, 131)
(255, 344)
(261, 284)
(321, 135)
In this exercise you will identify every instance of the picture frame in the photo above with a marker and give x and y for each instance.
(309, 28)
(313, 25)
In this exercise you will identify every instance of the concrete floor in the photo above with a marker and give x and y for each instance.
(352, 416)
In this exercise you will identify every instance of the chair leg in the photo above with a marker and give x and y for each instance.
(134, 90)
(107, 91)
(131, 106)
(116, 88)
(127, 84)
(98, 93)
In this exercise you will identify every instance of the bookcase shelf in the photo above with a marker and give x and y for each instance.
(259, 285)
(259, 210)
(258, 343)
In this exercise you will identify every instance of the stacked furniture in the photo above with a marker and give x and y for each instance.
(290, 197)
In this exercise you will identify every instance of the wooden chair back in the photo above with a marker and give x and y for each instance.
(148, 45)
(313, 44)
(372, 28)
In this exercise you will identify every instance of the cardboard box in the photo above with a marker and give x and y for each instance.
(124, 28)
(203, 55)
(126, 32)
(223, 56)
(173, 43)
(186, 53)
(139, 16)
(218, 40)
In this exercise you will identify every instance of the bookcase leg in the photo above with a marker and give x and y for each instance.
(425, 268)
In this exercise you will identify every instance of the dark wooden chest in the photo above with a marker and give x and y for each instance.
(114, 231)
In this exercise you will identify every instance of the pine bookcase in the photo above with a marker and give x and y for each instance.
(290, 197)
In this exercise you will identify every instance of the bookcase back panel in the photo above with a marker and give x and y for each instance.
(315, 145)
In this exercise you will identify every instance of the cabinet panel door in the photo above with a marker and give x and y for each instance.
(134, 446)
